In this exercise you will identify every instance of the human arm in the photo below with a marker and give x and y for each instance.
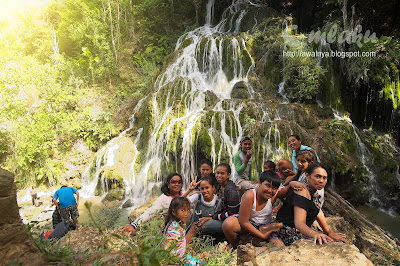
(244, 216)
(282, 192)
(289, 178)
(191, 232)
(160, 203)
(191, 187)
(239, 165)
(337, 237)
(77, 198)
(55, 197)
(203, 220)
(231, 203)
(300, 216)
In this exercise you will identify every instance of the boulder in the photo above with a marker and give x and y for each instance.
(16, 244)
(246, 253)
(114, 195)
(99, 245)
(128, 203)
(305, 252)
(240, 91)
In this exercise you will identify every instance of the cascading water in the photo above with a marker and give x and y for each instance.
(281, 91)
(204, 102)
(378, 197)
(192, 98)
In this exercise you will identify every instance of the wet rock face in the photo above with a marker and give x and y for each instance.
(370, 239)
(15, 242)
(240, 91)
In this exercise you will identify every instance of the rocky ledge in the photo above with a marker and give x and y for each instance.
(16, 245)
(302, 252)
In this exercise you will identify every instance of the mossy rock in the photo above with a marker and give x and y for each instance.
(112, 178)
(114, 195)
(256, 14)
(75, 183)
(211, 98)
(270, 65)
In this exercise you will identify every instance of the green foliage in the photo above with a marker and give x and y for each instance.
(161, 22)
(147, 247)
(302, 72)
(380, 70)
(209, 252)
(42, 118)
(5, 145)
(144, 248)
(303, 76)
(95, 128)
(68, 69)
(85, 30)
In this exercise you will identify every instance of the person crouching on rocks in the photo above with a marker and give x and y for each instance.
(242, 161)
(302, 207)
(204, 206)
(255, 211)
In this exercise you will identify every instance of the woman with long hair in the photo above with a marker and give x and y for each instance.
(171, 188)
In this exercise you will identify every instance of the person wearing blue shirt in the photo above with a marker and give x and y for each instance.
(295, 144)
(67, 204)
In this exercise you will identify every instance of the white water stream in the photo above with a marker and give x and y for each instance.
(192, 102)
(192, 95)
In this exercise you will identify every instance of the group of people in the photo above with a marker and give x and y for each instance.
(241, 209)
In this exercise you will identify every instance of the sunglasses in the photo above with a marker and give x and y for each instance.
(173, 182)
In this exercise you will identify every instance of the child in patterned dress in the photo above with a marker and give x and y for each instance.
(178, 214)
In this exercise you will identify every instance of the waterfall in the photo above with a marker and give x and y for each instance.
(281, 91)
(210, 12)
(202, 104)
(192, 95)
(378, 197)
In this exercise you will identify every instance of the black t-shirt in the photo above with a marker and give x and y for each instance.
(286, 212)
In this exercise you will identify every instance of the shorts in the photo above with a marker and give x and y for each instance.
(243, 185)
(71, 211)
(289, 235)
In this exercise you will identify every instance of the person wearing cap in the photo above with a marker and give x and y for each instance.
(242, 161)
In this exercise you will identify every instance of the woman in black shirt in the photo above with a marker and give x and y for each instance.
(302, 207)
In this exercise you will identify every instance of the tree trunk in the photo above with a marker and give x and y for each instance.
(112, 33)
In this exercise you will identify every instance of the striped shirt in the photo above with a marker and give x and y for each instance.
(230, 201)
(174, 231)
